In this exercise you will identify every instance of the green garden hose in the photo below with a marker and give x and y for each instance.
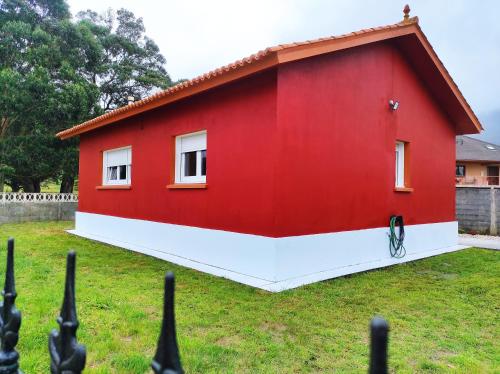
(396, 247)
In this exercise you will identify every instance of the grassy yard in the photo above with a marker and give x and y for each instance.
(443, 312)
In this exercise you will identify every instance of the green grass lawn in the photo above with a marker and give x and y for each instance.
(443, 312)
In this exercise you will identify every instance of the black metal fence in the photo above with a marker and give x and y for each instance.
(67, 356)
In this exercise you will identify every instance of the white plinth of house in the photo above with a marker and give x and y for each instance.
(273, 264)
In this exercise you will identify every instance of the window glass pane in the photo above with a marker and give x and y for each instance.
(112, 173)
(203, 162)
(123, 172)
(460, 171)
(397, 166)
(190, 164)
(400, 169)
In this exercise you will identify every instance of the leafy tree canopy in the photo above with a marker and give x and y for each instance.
(131, 64)
(56, 72)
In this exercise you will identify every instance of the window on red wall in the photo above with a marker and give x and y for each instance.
(400, 164)
(191, 158)
(402, 167)
(117, 166)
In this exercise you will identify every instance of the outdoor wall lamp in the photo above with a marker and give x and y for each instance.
(394, 105)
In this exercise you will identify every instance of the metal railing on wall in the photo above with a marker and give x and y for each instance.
(477, 181)
(67, 356)
(32, 197)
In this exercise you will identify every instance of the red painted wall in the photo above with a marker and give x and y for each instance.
(305, 149)
(336, 166)
(240, 120)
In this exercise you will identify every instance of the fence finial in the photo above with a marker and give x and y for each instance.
(378, 346)
(10, 318)
(167, 360)
(66, 355)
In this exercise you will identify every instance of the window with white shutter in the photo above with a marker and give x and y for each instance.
(191, 158)
(117, 164)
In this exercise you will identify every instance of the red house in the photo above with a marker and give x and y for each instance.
(285, 167)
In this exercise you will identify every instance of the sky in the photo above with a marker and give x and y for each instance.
(197, 36)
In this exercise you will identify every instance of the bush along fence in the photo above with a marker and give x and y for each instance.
(67, 356)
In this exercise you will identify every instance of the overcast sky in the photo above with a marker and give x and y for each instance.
(196, 36)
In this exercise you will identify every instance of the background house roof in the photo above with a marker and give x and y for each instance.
(407, 36)
(470, 149)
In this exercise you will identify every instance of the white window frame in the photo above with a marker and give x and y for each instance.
(200, 140)
(107, 164)
(400, 164)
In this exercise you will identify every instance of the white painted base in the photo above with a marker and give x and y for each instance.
(273, 264)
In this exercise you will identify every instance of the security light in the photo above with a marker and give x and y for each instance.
(394, 104)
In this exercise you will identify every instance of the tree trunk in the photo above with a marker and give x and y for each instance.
(15, 186)
(27, 185)
(36, 185)
(67, 184)
(2, 182)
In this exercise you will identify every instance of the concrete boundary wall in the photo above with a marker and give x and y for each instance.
(478, 209)
(23, 207)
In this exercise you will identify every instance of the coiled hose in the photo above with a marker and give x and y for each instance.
(396, 247)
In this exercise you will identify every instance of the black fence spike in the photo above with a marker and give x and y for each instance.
(10, 282)
(167, 360)
(10, 318)
(68, 309)
(378, 346)
(66, 355)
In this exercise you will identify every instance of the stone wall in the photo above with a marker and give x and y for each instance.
(478, 209)
(18, 207)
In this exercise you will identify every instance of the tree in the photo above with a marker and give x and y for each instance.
(131, 64)
(41, 55)
(55, 73)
